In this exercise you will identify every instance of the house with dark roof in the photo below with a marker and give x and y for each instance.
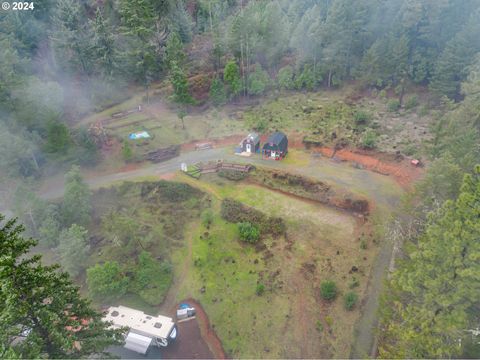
(276, 146)
(251, 144)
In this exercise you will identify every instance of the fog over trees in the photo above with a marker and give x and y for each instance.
(67, 59)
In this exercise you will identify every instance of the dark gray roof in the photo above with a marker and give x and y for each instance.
(252, 136)
(276, 137)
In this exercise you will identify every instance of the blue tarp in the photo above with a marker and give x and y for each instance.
(139, 135)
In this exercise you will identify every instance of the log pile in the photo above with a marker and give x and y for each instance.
(163, 154)
(121, 114)
(203, 146)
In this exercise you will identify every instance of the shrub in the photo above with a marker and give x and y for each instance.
(363, 244)
(260, 289)
(361, 117)
(233, 174)
(328, 290)
(248, 232)
(393, 105)
(207, 218)
(369, 139)
(382, 94)
(152, 278)
(319, 326)
(258, 81)
(306, 79)
(235, 212)
(127, 152)
(169, 191)
(350, 299)
(411, 102)
(217, 92)
(285, 78)
(106, 281)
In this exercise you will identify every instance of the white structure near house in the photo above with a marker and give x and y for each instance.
(144, 330)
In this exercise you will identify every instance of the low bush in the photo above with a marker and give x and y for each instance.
(207, 218)
(233, 175)
(393, 105)
(260, 289)
(152, 278)
(235, 212)
(169, 191)
(361, 117)
(350, 299)
(328, 290)
(411, 102)
(369, 139)
(248, 232)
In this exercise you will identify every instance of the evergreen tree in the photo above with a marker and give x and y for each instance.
(217, 91)
(72, 37)
(434, 295)
(44, 308)
(180, 85)
(452, 65)
(49, 230)
(174, 53)
(231, 75)
(76, 200)
(258, 81)
(104, 45)
(73, 249)
(285, 78)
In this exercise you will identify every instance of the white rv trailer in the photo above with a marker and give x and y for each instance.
(144, 330)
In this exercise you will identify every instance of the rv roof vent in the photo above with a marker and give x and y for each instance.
(148, 317)
(114, 313)
(158, 325)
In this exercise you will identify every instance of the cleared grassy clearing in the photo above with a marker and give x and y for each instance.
(223, 274)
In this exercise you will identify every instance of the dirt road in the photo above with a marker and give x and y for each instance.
(380, 188)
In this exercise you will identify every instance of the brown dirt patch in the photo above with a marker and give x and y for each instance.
(401, 170)
(208, 335)
(189, 344)
(168, 176)
(129, 167)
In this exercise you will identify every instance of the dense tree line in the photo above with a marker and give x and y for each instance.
(430, 306)
(69, 57)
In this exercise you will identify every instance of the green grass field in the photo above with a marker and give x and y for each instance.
(283, 321)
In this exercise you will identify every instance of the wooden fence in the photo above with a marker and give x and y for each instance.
(212, 167)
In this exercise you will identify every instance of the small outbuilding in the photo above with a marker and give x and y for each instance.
(251, 144)
(276, 146)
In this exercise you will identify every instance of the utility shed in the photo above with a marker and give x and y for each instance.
(276, 146)
(251, 143)
(144, 329)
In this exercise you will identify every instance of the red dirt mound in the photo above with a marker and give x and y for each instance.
(401, 170)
